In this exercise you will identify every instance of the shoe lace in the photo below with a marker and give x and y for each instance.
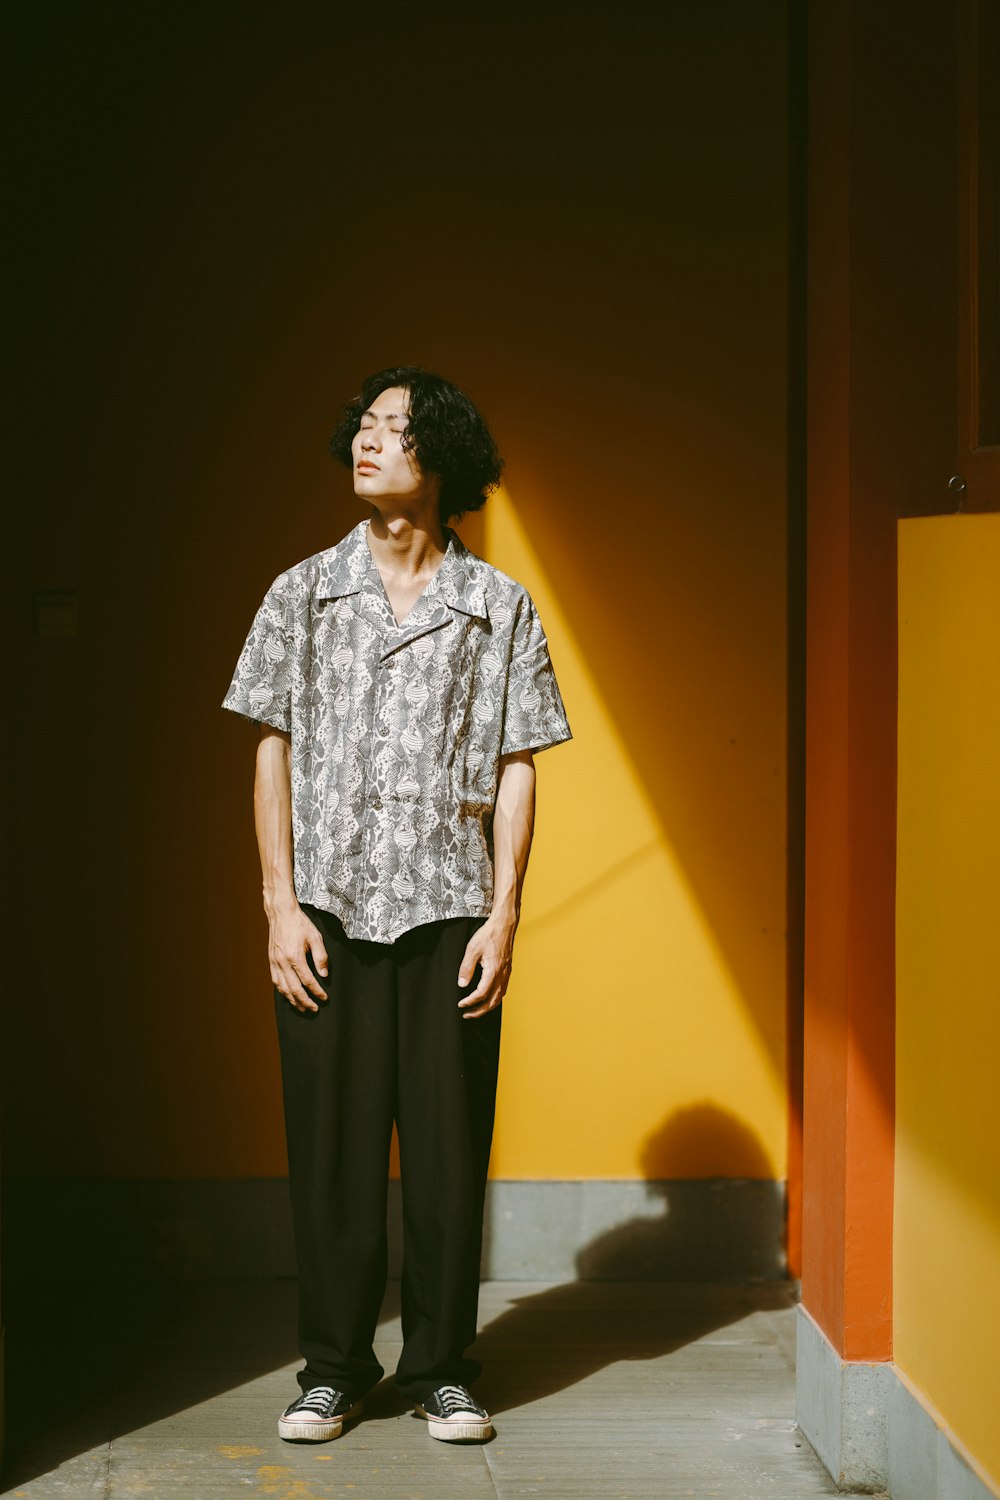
(455, 1398)
(319, 1399)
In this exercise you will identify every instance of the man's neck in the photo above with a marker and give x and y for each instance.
(409, 546)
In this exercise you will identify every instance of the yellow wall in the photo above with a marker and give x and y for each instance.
(230, 230)
(947, 1195)
(624, 995)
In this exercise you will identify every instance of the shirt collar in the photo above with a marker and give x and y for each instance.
(346, 567)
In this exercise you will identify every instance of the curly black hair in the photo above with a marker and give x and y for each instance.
(446, 433)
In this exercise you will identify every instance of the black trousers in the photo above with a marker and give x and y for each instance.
(389, 1044)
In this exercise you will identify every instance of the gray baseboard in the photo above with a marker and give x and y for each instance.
(710, 1229)
(873, 1431)
(714, 1229)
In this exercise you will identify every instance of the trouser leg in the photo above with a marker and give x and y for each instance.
(446, 1095)
(338, 1069)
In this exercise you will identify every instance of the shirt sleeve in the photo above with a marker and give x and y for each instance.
(261, 685)
(534, 715)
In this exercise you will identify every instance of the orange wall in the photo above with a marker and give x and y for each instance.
(882, 426)
(228, 230)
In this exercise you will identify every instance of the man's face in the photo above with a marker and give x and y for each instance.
(383, 468)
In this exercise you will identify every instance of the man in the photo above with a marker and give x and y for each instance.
(401, 685)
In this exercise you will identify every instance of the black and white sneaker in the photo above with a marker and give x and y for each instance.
(317, 1415)
(453, 1416)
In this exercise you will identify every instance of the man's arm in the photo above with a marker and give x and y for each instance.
(492, 945)
(292, 935)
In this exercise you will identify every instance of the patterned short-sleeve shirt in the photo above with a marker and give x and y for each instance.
(397, 730)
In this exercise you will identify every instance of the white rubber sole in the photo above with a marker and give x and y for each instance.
(315, 1429)
(456, 1429)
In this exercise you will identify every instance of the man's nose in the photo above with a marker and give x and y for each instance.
(369, 439)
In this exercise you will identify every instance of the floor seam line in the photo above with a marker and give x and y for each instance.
(115, 1396)
(107, 1467)
(489, 1469)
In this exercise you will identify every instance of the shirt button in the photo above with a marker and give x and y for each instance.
(377, 804)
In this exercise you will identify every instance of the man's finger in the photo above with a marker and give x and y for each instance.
(295, 1002)
(320, 956)
(307, 977)
(293, 989)
(473, 955)
(482, 989)
(484, 1010)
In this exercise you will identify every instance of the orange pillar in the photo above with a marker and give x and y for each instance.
(850, 772)
(881, 424)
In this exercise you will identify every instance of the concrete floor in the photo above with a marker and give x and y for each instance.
(598, 1389)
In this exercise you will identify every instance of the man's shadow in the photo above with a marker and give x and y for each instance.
(710, 1254)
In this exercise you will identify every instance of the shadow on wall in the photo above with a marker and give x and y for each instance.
(691, 1219)
(708, 1226)
(703, 1140)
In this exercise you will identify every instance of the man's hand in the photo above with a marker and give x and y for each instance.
(492, 946)
(293, 938)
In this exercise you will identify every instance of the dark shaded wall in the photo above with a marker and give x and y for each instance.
(228, 217)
